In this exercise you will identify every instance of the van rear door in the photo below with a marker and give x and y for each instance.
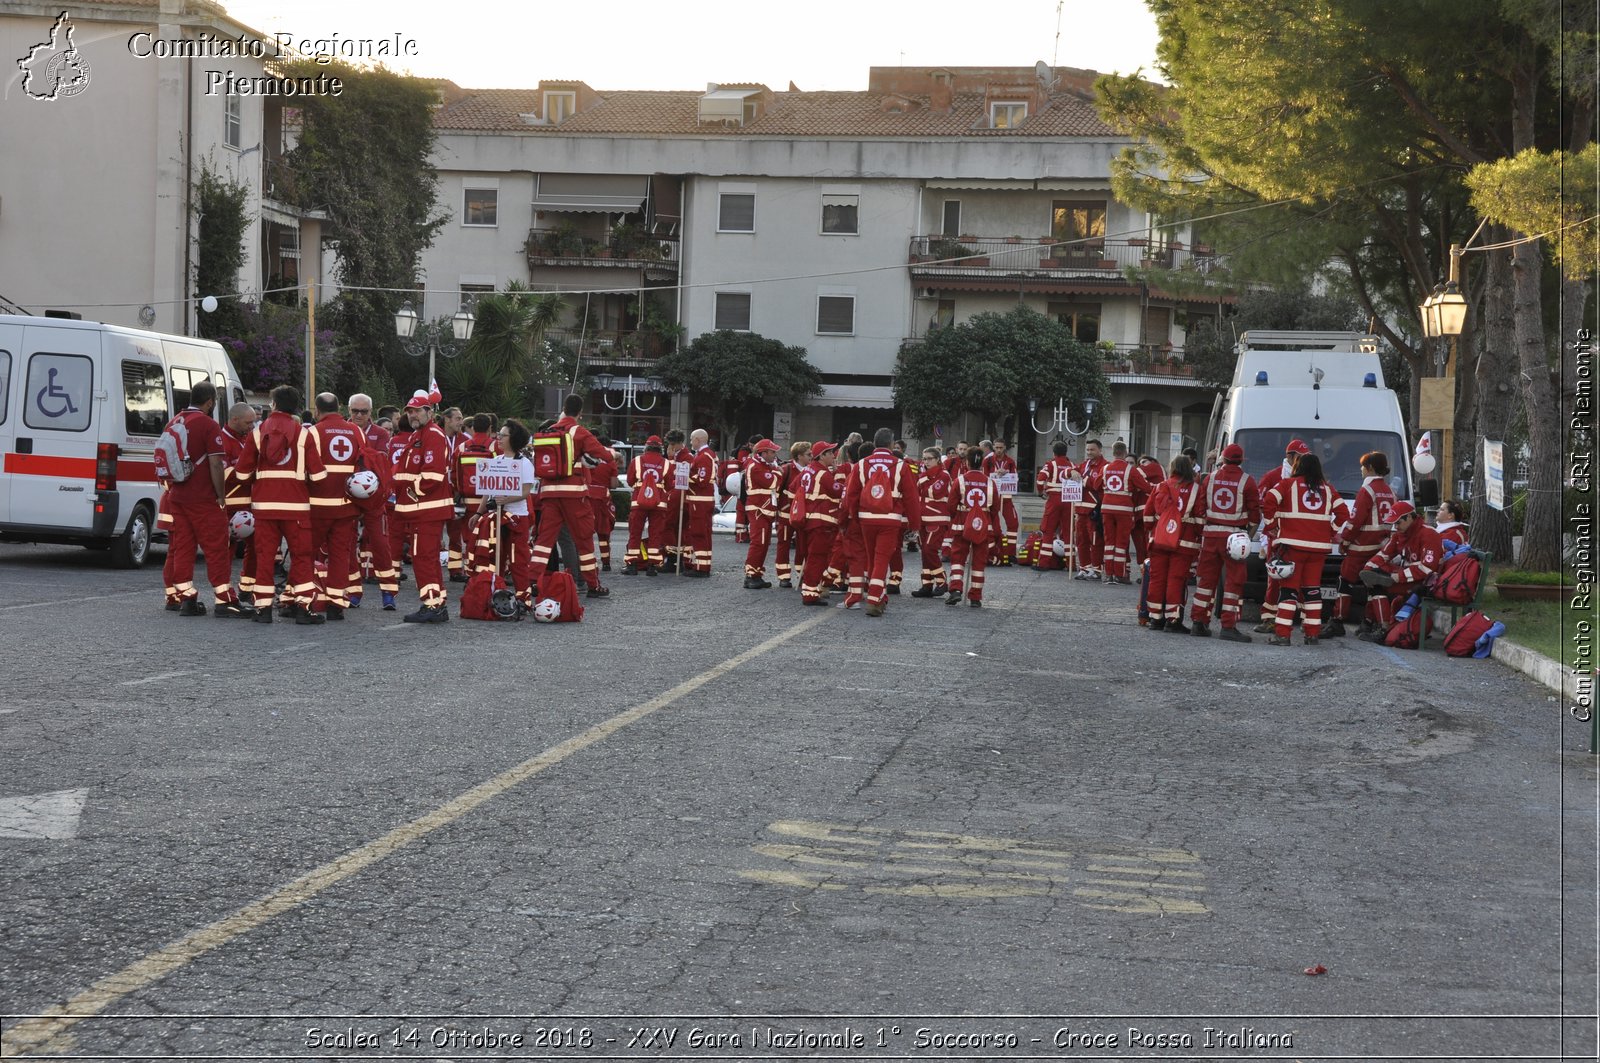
(10, 347)
(53, 448)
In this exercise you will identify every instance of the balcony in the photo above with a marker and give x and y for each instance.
(624, 348)
(556, 247)
(1144, 363)
(972, 257)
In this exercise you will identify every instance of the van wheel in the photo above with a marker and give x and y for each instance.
(130, 549)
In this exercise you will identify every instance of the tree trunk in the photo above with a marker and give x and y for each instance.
(1541, 526)
(1496, 376)
(1574, 307)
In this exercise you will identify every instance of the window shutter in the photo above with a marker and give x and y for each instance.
(836, 314)
(733, 311)
(737, 213)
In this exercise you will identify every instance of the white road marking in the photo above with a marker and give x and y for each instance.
(78, 601)
(152, 679)
(50, 817)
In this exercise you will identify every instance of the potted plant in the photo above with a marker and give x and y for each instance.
(1521, 585)
(1052, 263)
(1014, 238)
(945, 247)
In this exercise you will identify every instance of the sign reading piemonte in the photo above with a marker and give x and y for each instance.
(498, 477)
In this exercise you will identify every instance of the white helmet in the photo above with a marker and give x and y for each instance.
(242, 525)
(1238, 546)
(731, 484)
(1278, 568)
(363, 484)
(1058, 547)
(547, 610)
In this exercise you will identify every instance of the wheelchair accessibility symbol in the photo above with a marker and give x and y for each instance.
(60, 401)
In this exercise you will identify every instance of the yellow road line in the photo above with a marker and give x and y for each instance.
(164, 961)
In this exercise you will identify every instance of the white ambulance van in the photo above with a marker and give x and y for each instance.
(81, 406)
(1326, 388)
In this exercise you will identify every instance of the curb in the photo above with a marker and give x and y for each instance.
(1536, 666)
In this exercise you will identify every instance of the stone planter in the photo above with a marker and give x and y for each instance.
(1052, 263)
(1532, 592)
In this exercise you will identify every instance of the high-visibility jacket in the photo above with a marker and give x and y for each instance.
(281, 461)
(1304, 516)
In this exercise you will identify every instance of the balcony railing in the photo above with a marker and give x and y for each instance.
(554, 246)
(622, 347)
(959, 255)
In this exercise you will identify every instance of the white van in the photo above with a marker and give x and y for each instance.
(81, 406)
(1326, 388)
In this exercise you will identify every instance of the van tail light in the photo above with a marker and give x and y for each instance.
(105, 467)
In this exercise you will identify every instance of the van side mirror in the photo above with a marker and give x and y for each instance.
(1427, 492)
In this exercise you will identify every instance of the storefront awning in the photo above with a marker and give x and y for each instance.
(615, 193)
(860, 396)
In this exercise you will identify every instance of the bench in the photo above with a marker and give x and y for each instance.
(1431, 604)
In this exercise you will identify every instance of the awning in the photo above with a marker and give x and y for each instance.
(854, 395)
(615, 193)
(1086, 184)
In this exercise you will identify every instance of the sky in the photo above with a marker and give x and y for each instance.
(655, 44)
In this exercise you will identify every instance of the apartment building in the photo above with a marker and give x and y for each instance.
(110, 112)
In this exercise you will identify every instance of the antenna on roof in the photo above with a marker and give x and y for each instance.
(1055, 54)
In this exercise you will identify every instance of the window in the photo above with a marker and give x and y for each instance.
(60, 392)
(1007, 115)
(1082, 318)
(839, 214)
(559, 106)
(736, 212)
(1158, 326)
(481, 206)
(1083, 224)
(183, 382)
(1142, 431)
(952, 218)
(945, 314)
(471, 293)
(836, 314)
(733, 311)
(144, 399)
(1195, 419)
(5, 383)
(233, 121)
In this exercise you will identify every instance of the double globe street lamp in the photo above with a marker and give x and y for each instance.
(1061, 419)
(417, 335)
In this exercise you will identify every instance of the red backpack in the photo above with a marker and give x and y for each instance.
(977, 528)
(1457, 580)
(1404, 634)
(555, 454)
(880, 486)
(1462, 640)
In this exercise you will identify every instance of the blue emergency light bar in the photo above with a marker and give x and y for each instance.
(1261, 376)
(1370, 380)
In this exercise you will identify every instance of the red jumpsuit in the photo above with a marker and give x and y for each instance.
(456, 526)
(1361, 535)
(789, 533)
(1119, 485)
(564, 502)
(648, 509)
(881, 497)
(1269, 599)
(399, 529)
(1090, 540)
(238, 501)
(1231, 503)
(1153, 475)
(1305, 519)
(376, 551)
(601, 476)
(333, 515)
(934, 486)
(1055, 523)
(699, 502)
(1172, 500)
(1411, 558)
(1005, 546)
(760, 488)
(198, 517)
(470, 448)
(972, 490)
(822, 499)
(281, 462)
(426, 504)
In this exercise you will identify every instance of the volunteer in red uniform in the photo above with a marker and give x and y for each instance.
(647, 475)
(1121, 487)
(1047, 485)
(373, 537)
(517, 525)
(399, 528)
(1231, 503)
(468, 446)
(823, 494)
(672, 521)
(1304, 509)
(1269, 480)
(1360, 536)
(998, 463)
(933, 487)
(564, 499)
(602, 478)
(199, 519)
(453, 422)
(1152, 472)
(955, 463)
(1402, 565)
(427, 504)
(333, 515)
(242, 419)
(848, 567)
(881, 495)
(789, 533)
(972, 491)
(1174, 543)
(699, 501)
(760, 489)
(281, 464)
(1091, 541)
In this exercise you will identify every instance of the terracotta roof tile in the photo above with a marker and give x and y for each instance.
(790, 114)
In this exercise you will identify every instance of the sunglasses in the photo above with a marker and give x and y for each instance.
(355, 412)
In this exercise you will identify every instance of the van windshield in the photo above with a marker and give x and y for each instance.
(1339, 449)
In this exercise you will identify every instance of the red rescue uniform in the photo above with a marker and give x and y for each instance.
(1231, 503)
(426, 504)
(281, 463)
(1305, 517)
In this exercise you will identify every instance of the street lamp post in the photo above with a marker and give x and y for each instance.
(417, 336)
(1444, 314)
(606, 382)
(1061, 417)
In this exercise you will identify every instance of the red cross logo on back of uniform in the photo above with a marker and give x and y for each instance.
(1222, 497)
(1311, 500)
(340, 449)
(1114, 483)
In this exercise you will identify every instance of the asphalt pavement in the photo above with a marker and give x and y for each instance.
(710, 823)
